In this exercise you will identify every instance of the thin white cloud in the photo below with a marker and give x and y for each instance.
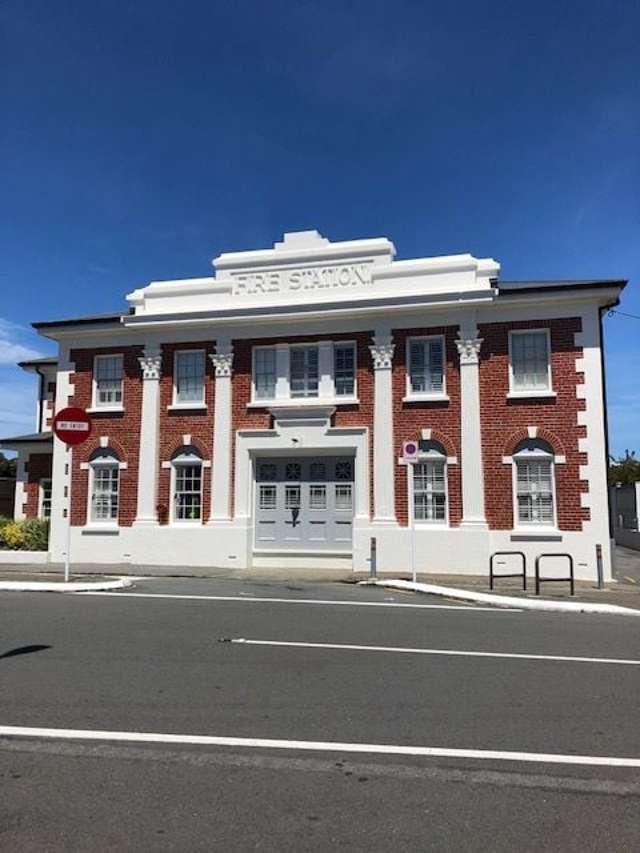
(18, 410)
(12, 345)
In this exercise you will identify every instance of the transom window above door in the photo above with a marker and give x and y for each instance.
(326, 371)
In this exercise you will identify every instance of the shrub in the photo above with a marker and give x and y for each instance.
(13, 535)
(36, 534)
(4, 520)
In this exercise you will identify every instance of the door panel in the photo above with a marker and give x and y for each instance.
(304, 503)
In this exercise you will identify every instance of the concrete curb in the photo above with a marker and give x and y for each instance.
(72, 586)
(505, 600)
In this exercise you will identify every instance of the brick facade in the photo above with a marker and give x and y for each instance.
(443, 418)
(505, 421)
(121, 428)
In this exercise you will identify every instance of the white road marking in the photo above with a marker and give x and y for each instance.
(317, 746)
(450, 652)
(264, 600)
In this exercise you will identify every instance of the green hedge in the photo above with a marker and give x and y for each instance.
(32, 534)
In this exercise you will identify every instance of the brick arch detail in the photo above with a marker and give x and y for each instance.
(112, 444)
(195, 442)
(543, 435)
(443, 439)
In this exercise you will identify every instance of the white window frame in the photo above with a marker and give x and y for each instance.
(432, 456)
(41, 491)
(96, 405)
(532, 526)
(326, 375)
(189, 404)
(410, 394)
(531, 392)
(102, 462)
(254, 395)
(185, 461)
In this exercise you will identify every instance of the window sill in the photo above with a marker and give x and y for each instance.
(301, 402)
(187, 407)
(98, 410)
(530, 395)
(426, 398)
(108, 529)
(533, 533)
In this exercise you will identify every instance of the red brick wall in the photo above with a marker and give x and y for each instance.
(174, 424)
(360, 415)
(443, 418)
(504, 421)
(38, 467)
(122, 428)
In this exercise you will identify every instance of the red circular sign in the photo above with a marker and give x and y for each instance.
(72, 425)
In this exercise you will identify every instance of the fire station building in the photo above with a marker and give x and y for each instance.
(256, 418)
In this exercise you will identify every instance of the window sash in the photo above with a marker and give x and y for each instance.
(303, 371)
(426, 366)
(105, 492)
(534, 492)
(189, 376)
(530, 360)
(429, 491)
(264, 373)
(187, 497)
(344, 370)
(108, 380)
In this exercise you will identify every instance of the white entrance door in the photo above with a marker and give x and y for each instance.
(304, 503)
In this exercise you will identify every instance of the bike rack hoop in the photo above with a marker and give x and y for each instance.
(522, 574)
(540, 580)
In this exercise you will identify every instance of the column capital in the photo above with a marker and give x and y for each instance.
(151, 363)
(222, 360)
(382, 351)
(469, 349)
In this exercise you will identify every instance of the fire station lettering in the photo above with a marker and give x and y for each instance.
(313, 278)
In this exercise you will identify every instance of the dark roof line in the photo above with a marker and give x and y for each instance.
(35, 362)
(89, 319)
(24, 439)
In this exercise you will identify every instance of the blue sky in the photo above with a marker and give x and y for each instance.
(140, 139)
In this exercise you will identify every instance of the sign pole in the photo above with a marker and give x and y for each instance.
(67, 554)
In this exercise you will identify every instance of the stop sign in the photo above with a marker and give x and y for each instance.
(72, 425)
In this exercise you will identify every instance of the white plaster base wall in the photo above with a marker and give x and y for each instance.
(437, 551)
(23, 558)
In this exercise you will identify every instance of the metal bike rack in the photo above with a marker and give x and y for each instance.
(540, 580)
(522, 574)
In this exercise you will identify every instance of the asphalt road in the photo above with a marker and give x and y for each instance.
(158, 664)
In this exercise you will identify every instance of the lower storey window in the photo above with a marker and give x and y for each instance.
(45, 498)
(429, 492)
(104, 494)
(535, 492)
(187, 498)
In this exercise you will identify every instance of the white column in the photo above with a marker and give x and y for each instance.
(472, 471)
(383, 450)
(221, 474)
(151, 366)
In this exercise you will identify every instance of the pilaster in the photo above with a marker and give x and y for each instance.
(473, 512)
(151, 367)
(382, 352)
(221, 474)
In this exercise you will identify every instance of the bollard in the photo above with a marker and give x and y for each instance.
(373, 556)
(599, 566)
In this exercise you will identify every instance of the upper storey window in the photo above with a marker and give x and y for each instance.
(425, 359)
(189, 374)
(303, 371)
(107, 373)
(324, 371)
(530, 363)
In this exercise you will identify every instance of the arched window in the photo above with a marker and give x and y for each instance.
(104, 486)
(534, 486)
(430, 483)
(186, 489)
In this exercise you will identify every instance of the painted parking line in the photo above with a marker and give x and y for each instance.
(316, 746)
(325, 601)
(446, 652)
